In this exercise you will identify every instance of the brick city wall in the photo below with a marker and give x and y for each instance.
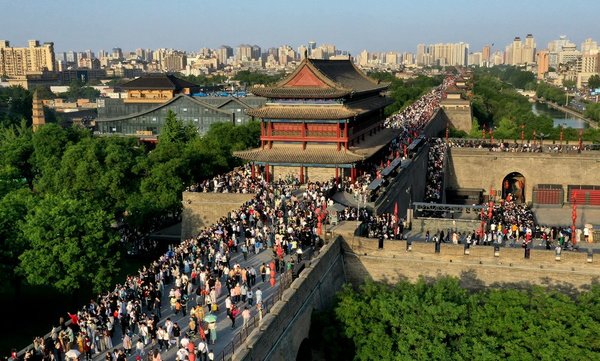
(204, 209)
(433, 225)
(393, 263)
(409, 183)
(460, 118)
(478, 168)
(285, 327)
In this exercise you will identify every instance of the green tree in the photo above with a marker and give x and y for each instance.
(72, 245)
(16, 149)
(569, 84)
(15, 105)
(44, 92)
(594, 82)
(439, 320)
(13, 241)
(78, 90)
(174, 130)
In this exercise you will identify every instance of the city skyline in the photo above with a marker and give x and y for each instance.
(345, 24)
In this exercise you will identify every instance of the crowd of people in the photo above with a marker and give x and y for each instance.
(434, 185)
(519, 147)
(194, 275)
(409, 124)
(239, 180)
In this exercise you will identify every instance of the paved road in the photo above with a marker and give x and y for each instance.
(225, 333)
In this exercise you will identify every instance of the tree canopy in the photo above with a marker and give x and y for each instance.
(497, 104)
(594, 82)
(442, 321)
(89, 185)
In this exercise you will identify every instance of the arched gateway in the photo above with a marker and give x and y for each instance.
(513, 187)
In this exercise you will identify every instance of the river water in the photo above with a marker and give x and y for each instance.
(559, 117)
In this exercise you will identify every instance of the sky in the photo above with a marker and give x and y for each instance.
(352, 25)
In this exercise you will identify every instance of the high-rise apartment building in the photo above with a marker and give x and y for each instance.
(255, 54)
(117, 53)
(173, 61)
(224, 53)
(243, 52)
(34, 58)
(528, 51)
(421, 54)
(514, 52)
(543, 63)
(443, 54)
(363, 58)
(589, 46)
(486, 52)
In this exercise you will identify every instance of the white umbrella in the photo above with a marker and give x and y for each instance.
(73, 354)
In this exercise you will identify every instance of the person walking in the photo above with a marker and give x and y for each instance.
(258, 295)
(245, 317)
(249, 296)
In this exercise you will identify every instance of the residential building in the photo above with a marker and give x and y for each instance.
(35, 58)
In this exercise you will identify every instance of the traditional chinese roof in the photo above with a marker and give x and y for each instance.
(315, 78)
(177, 98)
(158, 81)
(453, 89)
(325, 112)
(374, 143)
(302, 112)
(313, 154)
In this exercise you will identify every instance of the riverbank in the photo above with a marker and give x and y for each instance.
(572, 112)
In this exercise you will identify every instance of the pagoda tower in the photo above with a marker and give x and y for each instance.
(38, 118)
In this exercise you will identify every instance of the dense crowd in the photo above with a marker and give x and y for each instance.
(516, 147)
(238, 180)
(408, 123)
(435, 171)
(196, 273)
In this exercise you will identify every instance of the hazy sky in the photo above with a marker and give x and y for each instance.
(349, 24)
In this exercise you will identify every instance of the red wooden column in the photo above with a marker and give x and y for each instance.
(337, 174)
(301, 174)
(353, 174)
(346, 133)
(267, 175)
(252, 170)
(338, 135)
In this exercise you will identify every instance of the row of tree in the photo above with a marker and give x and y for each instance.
(69, 200)
(443, 321)
(592, 111)
(245, 77)
(497, 104)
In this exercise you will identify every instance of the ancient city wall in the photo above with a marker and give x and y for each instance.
(422, 225)
(409, 184)
(460, 117)
(204, 209)
(287, 325)
(479, 168)
(480, 268)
